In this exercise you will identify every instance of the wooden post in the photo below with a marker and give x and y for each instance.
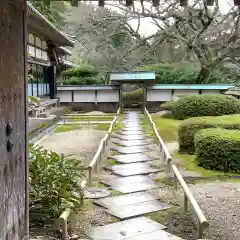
(121, 96)
(185, 203)
(13, 130)
(51, 74)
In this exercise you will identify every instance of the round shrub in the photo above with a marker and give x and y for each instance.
(168, 106)
(206, 105)
(191, 126)
(218, 149)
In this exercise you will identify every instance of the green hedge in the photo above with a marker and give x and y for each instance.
(132, 98)
(81, 71)
(168, 106)
(218, 149)
(191, 126)
(206, 105)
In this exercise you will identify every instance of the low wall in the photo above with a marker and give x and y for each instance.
(104, 98)
(160, 93)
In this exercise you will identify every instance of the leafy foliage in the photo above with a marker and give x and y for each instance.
(206, 105)
(168, 106)
(55, 184)
(191, 126)
(133, 98)
(81, 71)
(54, 12)
(186, 73)
(218, 149)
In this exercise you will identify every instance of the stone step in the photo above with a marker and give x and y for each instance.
(131, 150)
(131, 158)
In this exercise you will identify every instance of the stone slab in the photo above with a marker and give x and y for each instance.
(156, 235)
(128, 166)
(93, 193)
(131, 132)
(124, 200)
(131, 158)
(126, 143)
(111, 180)
(129, 138)
(125, 229)
(137, 187)
(135, 170)
(137, 209)
(130, 150)
(136, 128)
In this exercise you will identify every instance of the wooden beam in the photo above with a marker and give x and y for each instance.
(74, 3)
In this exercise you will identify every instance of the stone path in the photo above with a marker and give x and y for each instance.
(130, 177)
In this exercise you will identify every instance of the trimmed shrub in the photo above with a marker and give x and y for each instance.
(191, 126)
(168, 106)
(218, 149)
(133, 98)
(206, 105)
(81, 71)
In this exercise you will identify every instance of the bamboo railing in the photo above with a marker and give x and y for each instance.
(62, 221)
(188, 196)
(101, 151)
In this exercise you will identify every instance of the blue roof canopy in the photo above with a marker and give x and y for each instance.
(132, 76)
(191, 86)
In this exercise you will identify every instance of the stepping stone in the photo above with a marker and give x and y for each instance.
(125, 143)
(125, 229)
(137, 187)
(131, 132)
(156, 235)
(133, 169)
(132, 158)
(125, 200)
(133, 137)
(93, 192)
(137, 209)
(138, 128)
(129, 150)
(111, 180)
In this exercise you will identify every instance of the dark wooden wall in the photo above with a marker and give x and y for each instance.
(13, 148)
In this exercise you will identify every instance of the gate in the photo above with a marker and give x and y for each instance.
(13, 118)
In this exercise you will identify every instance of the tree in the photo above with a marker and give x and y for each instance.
(195, 33)
(54, 11)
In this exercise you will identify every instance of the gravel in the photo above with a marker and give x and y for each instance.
(219, 201)
(80, 144)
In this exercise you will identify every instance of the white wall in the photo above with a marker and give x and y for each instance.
(177, 93)
(84, 96)
(65, 96)
(108, 96)
(210, 92)
(159, 95)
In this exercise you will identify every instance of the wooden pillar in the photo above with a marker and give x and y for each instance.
(144, 96)
(51, 75)
(121, 96)
(13, 121)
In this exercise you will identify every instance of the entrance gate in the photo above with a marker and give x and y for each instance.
(141, 78)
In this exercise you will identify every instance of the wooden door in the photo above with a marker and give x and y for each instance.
(13, 122)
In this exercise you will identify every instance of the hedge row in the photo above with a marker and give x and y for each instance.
(218, 149)
(204, 105)
(191, 126)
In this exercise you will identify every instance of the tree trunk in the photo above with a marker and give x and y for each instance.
(203, 75)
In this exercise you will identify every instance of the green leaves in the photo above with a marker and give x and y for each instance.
(218, 149)
(55, 180)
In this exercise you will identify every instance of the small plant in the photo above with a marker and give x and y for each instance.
(55, 184)
(35, 100)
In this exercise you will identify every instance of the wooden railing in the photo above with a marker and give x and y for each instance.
(62, 221)
(188, 197)
(101, 151)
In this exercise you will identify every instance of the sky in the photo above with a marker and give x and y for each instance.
(147, 27)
